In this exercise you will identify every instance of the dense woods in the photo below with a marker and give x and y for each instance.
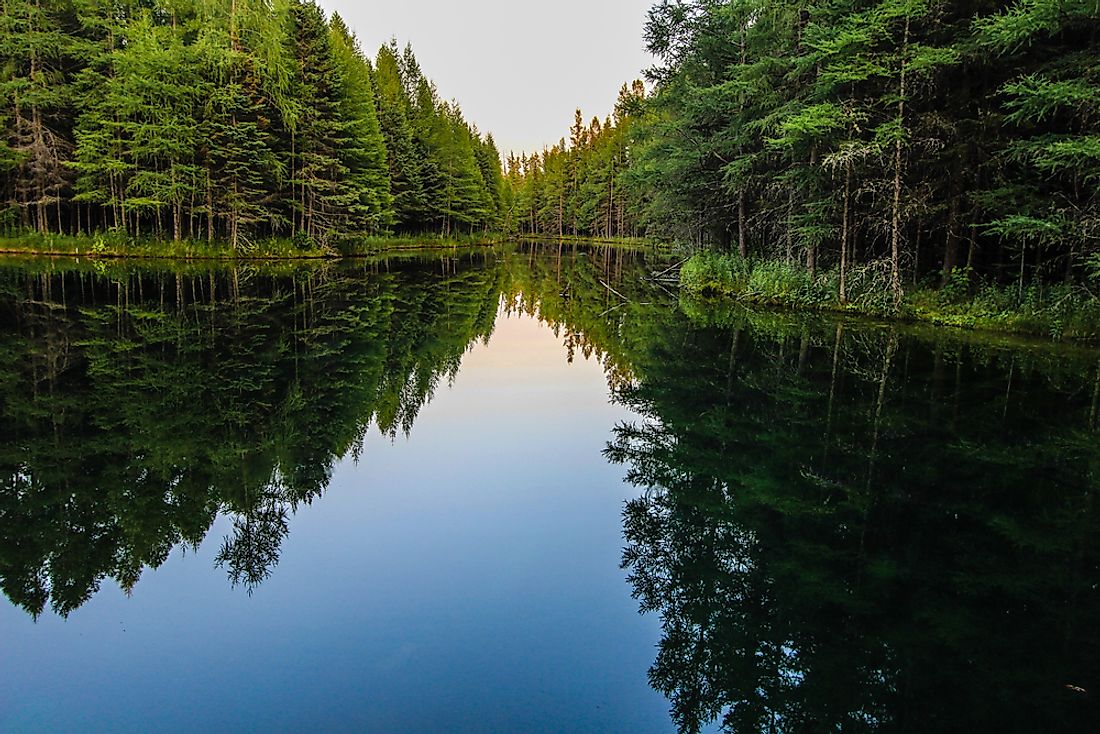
(836, 155)
(830, 153)
(924, 136)
(580, 186)
(228, 120)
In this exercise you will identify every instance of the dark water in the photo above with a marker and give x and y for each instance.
(389, 497)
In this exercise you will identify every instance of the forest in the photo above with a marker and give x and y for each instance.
(930, 160)
(230, 121)
(847, 154)
(580, 187)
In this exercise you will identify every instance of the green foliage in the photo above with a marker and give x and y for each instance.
(1093, 264)
(223, 119)
(588, 185)
(927, 135)
(369, 199)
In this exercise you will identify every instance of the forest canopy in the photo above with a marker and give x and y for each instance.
(228, 120)
(903, 139)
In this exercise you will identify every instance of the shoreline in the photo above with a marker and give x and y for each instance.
(954, 322)
(211, 253)
(1059, 312)
(190, 251)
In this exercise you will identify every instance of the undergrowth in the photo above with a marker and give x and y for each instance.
(1059, 311)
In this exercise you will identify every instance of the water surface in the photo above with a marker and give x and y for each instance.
(389, 496)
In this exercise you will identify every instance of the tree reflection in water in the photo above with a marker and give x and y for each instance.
(842, 526)
(847, 528)
(140, 404)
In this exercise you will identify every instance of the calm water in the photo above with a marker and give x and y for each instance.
(390, 497)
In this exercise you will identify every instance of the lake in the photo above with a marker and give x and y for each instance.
(530, 489)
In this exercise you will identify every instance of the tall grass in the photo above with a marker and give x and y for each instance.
(1056, 310)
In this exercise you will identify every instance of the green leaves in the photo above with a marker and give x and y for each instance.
(1060, 154)
(1028, 20)
(841, 133)
(1040, 230)
(811, 124)
(1036, 98)
(212, 118)
(925, 59)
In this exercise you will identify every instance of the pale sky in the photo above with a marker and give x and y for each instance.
(517, 67)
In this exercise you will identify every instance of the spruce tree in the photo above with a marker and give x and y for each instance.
(364, 156)
(324, 200)
(35, 92)
(402, 157)
(240, 163)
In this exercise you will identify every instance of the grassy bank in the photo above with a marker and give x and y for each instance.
(1062, 311)
(115, 245)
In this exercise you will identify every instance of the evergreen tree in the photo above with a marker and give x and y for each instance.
(229, 119)
(365, 154)
(35, 91)
(393, 115)
(489, 165)
(909, 137)
(241, 165)
(323, 195)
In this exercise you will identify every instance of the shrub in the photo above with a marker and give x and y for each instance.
(710, 272)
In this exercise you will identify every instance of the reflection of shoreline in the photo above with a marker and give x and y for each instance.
(183, 396)
(278, 251)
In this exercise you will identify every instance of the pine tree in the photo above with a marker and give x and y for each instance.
(324, 199)
(242, 169)
(402, 158)
(489, 165)
(35, 52)
(225, 118)
(365, 154)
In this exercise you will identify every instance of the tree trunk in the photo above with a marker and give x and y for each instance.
(1095, 400)
(790, 226)
(973, 246)
(895, 234)
(951, 251)
(209, 206)
(742, 242)
(1023, 264)
(844, 234)
(561, 214)
(916, 256)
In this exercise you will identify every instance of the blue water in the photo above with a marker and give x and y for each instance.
(464, 578)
